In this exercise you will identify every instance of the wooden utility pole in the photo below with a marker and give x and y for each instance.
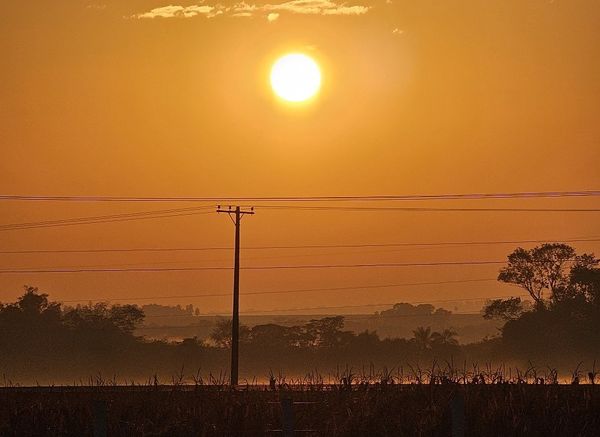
(236, 216)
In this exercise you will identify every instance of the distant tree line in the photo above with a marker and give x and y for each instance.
(407, 309)
(41, 340)
(322, 334)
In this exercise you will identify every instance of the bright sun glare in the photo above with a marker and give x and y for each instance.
(295, 77)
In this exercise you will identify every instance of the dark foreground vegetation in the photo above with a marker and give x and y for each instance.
(324, 410)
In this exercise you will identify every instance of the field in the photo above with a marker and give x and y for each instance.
(378, 409)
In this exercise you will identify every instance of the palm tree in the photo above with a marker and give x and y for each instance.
(423, 337)
(446, 337)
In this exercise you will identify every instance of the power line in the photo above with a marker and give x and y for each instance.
(108, 218)
(180, 213)
(142, 216)
(131, 214)
(223, 199)
(423, 209)
(368, 305)
(302, 246)
(300, 290)
(336, 307)
(260, 312)
(192, 211)
(91, 220)
(151, 263)
(350, 317)
(288, 267)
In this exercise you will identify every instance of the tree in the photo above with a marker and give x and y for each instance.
(424, 309)
(503, 309)
(445, 338)
(541, 268)
(422, 337)
(326, 332)
(405, 309)
(32, 303)
(126, 317)
(569, 321)
(366, 341)
(585, 280)
(271, 335)
(442, 312)
(31, 322)
(221, 333)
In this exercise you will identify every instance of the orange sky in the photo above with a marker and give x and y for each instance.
(417, 97)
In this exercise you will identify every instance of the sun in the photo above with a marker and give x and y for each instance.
(295, 77)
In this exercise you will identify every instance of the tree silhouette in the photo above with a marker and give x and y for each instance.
(584, 281)
(445, 338)
(33, 304)
(221, 333)
(504, 309)
(422, 337)
(271, 336)
(126, 317)
(565, 324)
(405, 309)
(541, 268)
(326, 332)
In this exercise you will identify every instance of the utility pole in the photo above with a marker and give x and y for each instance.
(236, 217)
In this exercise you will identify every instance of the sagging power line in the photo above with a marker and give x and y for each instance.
(141, 215)
(302, 246)
(340, 307)
(349, 318)
(289, 291)
(184, 212)
(420, 209)
(288, 267)
(225, 199)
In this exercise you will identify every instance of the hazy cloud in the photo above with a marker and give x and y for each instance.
(316, 7)
(243, 9)
(172, 11)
